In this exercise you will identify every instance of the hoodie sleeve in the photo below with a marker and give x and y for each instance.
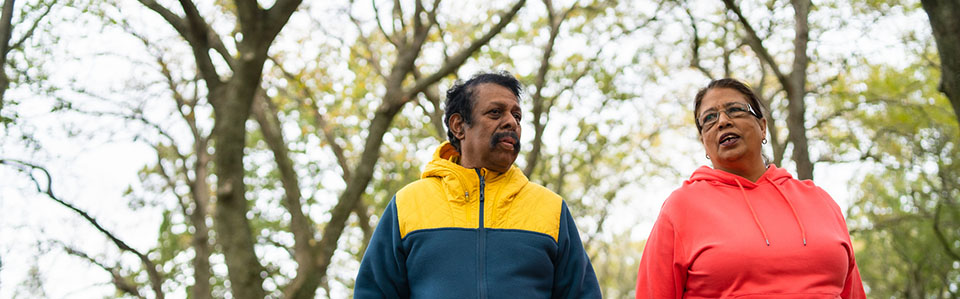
(661, 273)
(852, 285)
(383, 272)
(573, 275)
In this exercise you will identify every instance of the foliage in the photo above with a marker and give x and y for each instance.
(906, 215)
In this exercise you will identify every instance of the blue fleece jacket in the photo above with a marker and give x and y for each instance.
(465, 233)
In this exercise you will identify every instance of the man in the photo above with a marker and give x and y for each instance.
(473, 226)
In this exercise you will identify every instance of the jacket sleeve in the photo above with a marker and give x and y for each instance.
(573, 275)
(383, 272)
(661, 274)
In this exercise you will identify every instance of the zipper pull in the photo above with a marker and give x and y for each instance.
(480, 174)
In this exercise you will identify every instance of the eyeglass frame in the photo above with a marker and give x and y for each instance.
(749, 109)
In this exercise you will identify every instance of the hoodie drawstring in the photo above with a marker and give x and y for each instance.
(803, 233)
(752, 212)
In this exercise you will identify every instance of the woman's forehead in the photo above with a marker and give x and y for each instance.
(722, 97)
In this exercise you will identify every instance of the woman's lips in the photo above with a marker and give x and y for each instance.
(729, 139)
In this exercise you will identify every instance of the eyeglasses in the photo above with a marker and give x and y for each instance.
(710, 116)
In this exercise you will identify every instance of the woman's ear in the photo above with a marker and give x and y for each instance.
(763, 128)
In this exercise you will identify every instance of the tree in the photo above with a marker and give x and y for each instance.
(232, 99)
(30, 18)
(906, 211)
(945, 21)
(793, 83)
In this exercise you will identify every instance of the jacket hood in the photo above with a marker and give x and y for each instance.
(461, 184)
(773, 176)
(704, 173)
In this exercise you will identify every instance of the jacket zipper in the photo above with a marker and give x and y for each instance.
(481, 237)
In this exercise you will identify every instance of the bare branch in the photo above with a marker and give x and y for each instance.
(389, 37)
(118, 280)
(939, 233)
(695, 45)
(757, 44)
(372, 58)
(460, 57)
(319, 121)
(196, 32)
(29, 169)
(33, 27)
(398, 15)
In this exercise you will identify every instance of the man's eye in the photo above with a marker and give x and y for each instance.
(495, 112)
(517, 116)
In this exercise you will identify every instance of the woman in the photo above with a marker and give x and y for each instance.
(744, 228)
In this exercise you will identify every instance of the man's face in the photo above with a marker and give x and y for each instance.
(492, 139)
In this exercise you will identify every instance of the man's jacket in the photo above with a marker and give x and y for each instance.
(466, 233)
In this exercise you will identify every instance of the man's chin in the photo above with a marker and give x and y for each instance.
(503, 162)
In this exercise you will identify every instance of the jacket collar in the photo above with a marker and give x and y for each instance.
(461, 184)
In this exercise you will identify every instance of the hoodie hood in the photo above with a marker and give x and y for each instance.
(773, 176)
(461, 184)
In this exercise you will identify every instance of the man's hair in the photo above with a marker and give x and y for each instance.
(730, 83)
(460, 98)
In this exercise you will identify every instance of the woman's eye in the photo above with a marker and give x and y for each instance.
(736, 109)
(709, 117)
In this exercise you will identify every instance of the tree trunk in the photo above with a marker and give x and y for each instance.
(200, 191)
(794, 84)
(796, 91)
(6, 30)
(232, 102)
(233, 228)
(945, 22)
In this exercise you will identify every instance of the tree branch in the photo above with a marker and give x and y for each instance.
(33, 27)
(28, 168)
(757, 44)
(319, 121)
(118, 280)
(193, 30)
(460, 57)
(940, 236)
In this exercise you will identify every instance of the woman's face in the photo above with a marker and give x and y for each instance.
(731, 137)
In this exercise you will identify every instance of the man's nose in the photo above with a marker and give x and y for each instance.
(509, 122)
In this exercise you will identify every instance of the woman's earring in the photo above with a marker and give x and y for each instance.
(764, 141)
(708, 157)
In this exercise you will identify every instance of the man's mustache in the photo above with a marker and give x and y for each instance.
(497, 136)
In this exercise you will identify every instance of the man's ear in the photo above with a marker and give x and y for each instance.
(457, 126)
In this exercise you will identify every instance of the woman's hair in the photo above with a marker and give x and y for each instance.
(730, 83)
(740, 87)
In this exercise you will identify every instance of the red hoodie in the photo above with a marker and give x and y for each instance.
(722, 236)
